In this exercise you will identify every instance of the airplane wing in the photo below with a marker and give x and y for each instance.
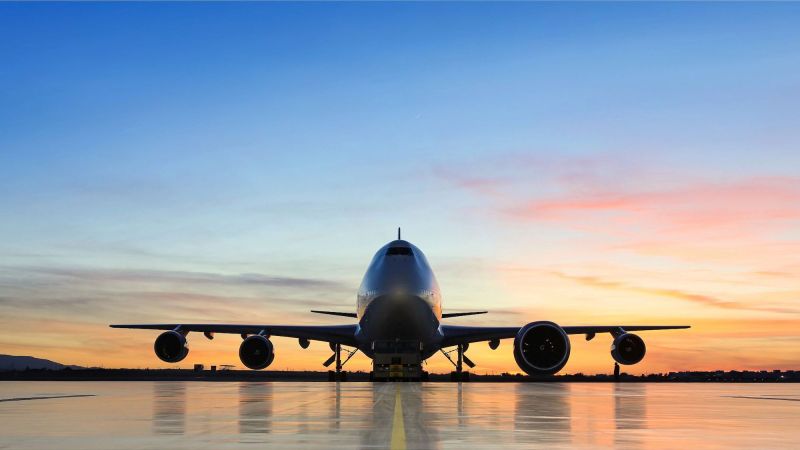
(454, 335)
(335, 313)
(461, 314)
(338, 334)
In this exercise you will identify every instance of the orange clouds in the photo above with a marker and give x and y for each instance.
(63, 313)
(678, 294)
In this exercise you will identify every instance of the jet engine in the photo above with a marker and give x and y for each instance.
(628, 349)
(256, 352)
(170, 347)
(541, 348)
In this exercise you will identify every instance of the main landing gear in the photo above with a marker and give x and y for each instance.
(338, 374)
(461, 359)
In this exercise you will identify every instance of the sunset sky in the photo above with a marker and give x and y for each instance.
(580, 163)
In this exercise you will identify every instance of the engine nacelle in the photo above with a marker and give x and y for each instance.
(628, 349)
(256, 352)
(541, 348)
(170, 347)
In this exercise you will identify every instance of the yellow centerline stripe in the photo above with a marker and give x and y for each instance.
(398, 425)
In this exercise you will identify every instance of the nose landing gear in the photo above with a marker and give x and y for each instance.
(397, 361)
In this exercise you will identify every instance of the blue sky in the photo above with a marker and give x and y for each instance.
(578, 141)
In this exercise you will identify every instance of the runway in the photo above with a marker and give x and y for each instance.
(200, 415)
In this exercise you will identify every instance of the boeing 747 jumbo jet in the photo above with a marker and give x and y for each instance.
(399, 313)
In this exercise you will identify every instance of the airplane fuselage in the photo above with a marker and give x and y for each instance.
(399, 299)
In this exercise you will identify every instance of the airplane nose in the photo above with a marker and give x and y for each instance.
(398, 290)
(400, 284)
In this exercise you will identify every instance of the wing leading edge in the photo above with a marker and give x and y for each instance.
(461, 314)
(454, 335)
(339, 334)
(335, 313)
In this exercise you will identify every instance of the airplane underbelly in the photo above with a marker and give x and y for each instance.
(404, 318)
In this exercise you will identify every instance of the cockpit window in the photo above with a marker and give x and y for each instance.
(391, 251)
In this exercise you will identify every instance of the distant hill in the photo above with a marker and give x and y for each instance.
(11, 363)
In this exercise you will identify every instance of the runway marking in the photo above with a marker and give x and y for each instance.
(398, 425)
(20, 399)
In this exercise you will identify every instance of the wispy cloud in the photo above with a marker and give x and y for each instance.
(103, 296)
(706, 300)
(485, 185)
(161, 276)
(737, 207)
(629, 205)
(63, 313)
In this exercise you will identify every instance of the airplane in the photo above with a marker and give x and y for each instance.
(399, 302)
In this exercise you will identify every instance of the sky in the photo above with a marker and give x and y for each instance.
(585, 163)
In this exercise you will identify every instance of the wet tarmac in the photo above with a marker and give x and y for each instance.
(288, 415)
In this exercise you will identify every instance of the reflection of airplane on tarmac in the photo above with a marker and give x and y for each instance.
(399, 312)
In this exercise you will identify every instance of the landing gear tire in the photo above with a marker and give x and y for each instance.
(334, 376)
(459, 376)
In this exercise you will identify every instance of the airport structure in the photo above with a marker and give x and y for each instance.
(399, 325)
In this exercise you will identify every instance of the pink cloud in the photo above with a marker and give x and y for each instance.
(735, 205)
(621, 204)
(487, 186)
